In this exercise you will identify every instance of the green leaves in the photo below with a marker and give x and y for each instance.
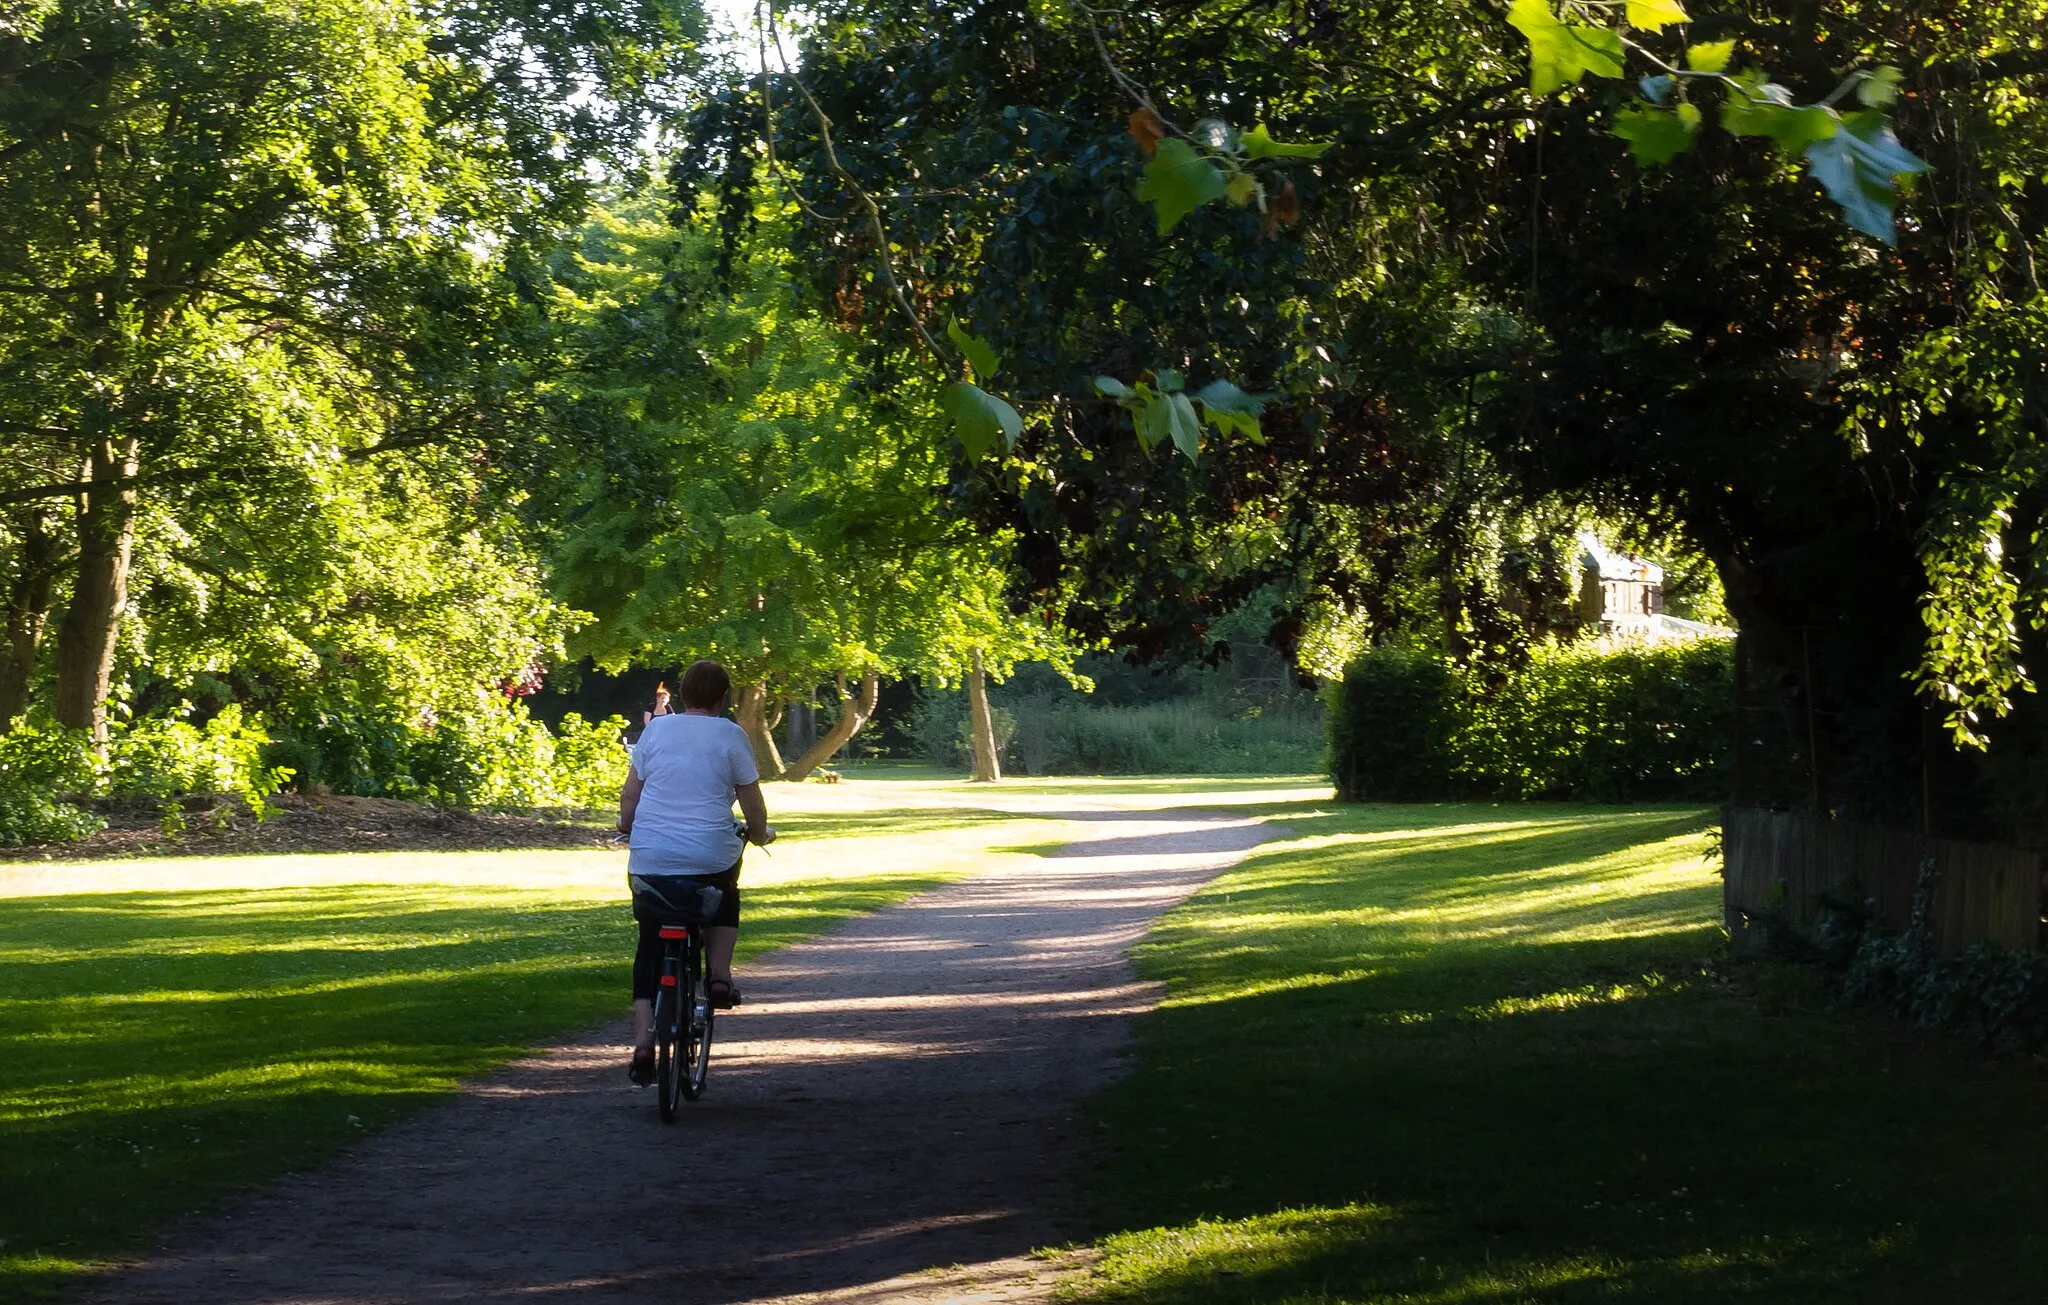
(980, 357)
(1231, 409)
(1655, 15)
(1181, 177)
(1257, 144)
(980, 418)
(1710, 56)
(1178, 181)
(1880, 87)
(1859, 166)
(1757, 106)
(1172, 417)
(1656, 136)
(1856, 157)
(1559, 52)
(1161, 410)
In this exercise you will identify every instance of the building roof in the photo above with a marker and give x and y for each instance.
(1618, 566)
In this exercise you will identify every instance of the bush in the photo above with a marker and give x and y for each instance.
(165, 759)
(1996, 995)
(496, 756)
(1048, 733)
(304, 762)
(1391, 721)
(1578, 722)
(499, 756)
(589, 765)
(936, 727)
(40, 770)
(492, 754)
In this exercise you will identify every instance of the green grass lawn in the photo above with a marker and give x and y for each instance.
(1492, 1054)
(175, 1032)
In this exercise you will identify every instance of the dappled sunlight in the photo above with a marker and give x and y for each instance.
(179, 1026)
(1289, 1250)
(369, 1070)
(1513, 1037)
(173, 1044)
(817, 848)
(1564, 999)
(1288, 983)
(1209, 1247)
(1296, 1254)
(1385, 900)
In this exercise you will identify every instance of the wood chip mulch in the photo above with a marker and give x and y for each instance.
(324, 823)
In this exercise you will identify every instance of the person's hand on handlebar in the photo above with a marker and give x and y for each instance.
(767, 836)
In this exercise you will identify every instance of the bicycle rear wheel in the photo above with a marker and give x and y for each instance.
(695, 1035)
(670, 1002)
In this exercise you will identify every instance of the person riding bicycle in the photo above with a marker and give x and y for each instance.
(676, 807)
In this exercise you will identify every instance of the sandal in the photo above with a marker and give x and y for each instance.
(723, 995)
(641, 1071)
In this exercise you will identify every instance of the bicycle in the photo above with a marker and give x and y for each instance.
(683, 1013)
(681, 907)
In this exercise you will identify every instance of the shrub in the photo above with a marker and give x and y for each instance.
(1391, 721)
(499, 756)
(40, 769)
(163, 759)
(1579, 722)
(937, 724)
(1050, 733)
(491, 754)
(1997, 995)
(589, 765)
(304, 762)
(48, 759)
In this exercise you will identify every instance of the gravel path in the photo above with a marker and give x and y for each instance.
(891, 1117)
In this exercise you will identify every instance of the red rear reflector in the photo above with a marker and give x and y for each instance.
(675, 933)
(668, 980)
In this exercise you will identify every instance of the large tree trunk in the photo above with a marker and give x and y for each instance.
(99, 596)
(751, 711)
(28, 612)
(853, 713)
(988, 766)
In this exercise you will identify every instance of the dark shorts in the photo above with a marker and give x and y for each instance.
(647, 957)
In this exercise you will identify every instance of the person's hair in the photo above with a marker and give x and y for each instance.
(704, 686)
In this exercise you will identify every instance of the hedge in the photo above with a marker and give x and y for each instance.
(1579, 722)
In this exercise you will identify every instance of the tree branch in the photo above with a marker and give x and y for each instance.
(867, 201)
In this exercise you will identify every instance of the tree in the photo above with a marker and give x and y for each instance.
(225, 223)
(753, 496)
(1701, 344)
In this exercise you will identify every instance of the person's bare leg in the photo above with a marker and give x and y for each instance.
(643, 1024)
(719, 940)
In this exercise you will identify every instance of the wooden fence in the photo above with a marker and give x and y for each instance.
(1782, 868)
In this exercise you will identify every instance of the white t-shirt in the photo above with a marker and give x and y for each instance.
(691, 765)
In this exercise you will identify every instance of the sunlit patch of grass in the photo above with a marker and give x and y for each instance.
(1445, 1054)
(176, 1031)
(162, 1051)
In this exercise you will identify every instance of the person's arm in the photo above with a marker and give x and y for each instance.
(755, 808)
(629, 799)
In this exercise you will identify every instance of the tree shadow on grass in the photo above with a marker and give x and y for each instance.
(1474, 1075)
(161, 1053)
